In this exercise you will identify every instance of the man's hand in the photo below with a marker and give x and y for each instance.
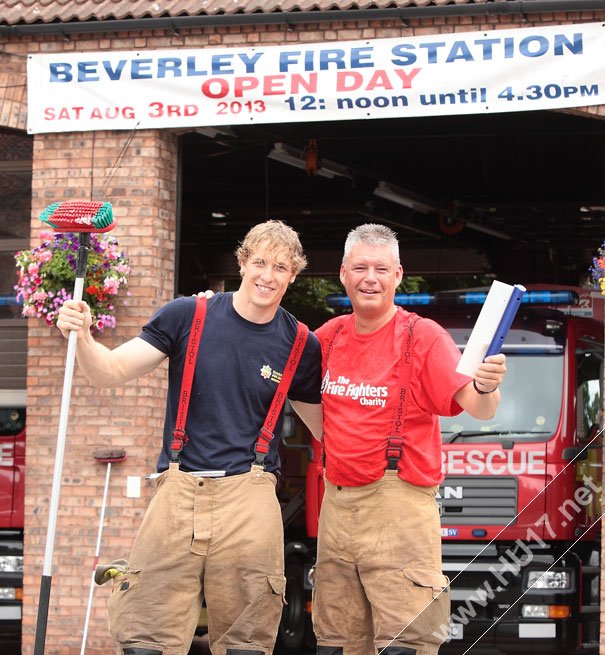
(490, 373)
(206, 294)
(74, 315)
(481, 396)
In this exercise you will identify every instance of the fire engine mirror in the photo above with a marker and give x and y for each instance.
(576, 454)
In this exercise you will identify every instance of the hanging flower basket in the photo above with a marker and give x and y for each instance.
(47, 274)
(597, 270)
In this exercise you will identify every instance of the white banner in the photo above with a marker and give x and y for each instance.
(431, 75)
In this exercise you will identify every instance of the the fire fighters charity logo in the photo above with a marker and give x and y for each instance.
(266, 371)
(361, 392)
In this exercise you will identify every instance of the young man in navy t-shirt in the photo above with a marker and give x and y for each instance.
(213, 530)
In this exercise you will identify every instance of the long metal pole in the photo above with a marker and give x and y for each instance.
(96, 560)
(46, 581)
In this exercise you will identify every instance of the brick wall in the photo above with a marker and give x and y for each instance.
(143, 190)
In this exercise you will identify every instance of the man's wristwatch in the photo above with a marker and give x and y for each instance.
(482, 393)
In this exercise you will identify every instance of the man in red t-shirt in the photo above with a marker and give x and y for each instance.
(387, 376)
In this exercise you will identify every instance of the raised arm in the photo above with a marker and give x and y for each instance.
(101, 366)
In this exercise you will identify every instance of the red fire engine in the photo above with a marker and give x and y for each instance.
(12, 486)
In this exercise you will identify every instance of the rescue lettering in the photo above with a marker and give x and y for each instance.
(495, 462)
(7, 454)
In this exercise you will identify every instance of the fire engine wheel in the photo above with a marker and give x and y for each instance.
(291, 633)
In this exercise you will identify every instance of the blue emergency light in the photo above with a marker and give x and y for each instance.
(465, 298)
(9, 300)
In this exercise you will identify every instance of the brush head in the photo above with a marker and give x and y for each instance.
(79, 216)
(113, 455)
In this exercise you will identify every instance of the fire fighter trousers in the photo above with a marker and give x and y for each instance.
(215, 538)
(378, 582)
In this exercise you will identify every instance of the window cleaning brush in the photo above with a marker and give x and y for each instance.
(81, 217)
(107, 456)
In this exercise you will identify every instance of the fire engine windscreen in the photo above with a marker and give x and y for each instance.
(532, 393)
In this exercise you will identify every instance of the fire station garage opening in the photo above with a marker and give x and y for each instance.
(520, 195)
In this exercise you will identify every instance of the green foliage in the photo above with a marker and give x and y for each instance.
(410, 284)
(306, 299)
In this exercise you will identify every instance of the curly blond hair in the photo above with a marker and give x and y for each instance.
(274, 237)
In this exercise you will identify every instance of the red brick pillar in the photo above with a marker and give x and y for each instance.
(137, 173)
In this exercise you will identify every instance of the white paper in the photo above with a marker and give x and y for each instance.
(133, 486)
(485, 328)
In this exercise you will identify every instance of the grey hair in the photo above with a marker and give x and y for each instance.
(372, 234)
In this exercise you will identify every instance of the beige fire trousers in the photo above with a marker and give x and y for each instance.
(215, 538)
(378, 581)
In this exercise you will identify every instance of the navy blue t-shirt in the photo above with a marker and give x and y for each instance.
(238, 368)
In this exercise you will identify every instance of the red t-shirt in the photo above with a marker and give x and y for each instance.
(360, 393)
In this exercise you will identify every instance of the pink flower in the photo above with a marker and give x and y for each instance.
(103, 321)
(111, 285)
